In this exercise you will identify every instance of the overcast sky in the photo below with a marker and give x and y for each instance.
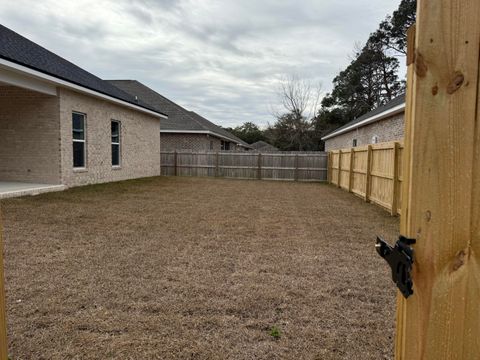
(221, 58)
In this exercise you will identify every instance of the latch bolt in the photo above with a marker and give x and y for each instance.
(400, 258)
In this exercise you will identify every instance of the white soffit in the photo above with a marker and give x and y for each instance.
(387, 113)
(25, 72)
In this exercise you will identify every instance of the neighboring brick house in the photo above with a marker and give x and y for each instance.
(61, 126)
(383, 124)
(183, 130)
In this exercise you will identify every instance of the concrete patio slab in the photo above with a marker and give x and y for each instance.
(9, 189)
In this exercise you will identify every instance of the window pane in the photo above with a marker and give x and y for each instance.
(115, 155)
(78, 154)
(115, 131)
(78, 126)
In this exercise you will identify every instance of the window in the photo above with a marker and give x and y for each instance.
(225, 145)
(374, 139)
(354, 142)
(211, 145)
(115, 143)
(79, 140)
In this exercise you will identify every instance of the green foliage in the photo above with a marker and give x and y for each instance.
(248, 132)
(275, 333)
(392, 31)
(291, 132)
(371, 79)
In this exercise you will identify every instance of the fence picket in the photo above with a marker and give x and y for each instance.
(371, 173)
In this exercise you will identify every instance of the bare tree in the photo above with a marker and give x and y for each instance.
(293, 129)
(298, 97)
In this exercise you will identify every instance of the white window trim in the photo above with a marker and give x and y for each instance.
(84, 141)
(119, 166)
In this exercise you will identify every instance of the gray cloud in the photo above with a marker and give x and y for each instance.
(223, 59)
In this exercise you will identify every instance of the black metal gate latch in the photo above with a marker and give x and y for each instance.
(400, 259)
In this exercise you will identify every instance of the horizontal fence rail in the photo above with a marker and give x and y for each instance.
(373, 172)
(295, 166)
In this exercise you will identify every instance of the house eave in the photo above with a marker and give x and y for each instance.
(388, 113)
(52, 80)
(203, 132)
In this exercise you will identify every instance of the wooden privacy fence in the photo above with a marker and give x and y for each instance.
(298, 166)
(373, 172)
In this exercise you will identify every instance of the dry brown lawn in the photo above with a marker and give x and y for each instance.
(192, 268)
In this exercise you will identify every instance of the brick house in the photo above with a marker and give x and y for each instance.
(183, 130)
(386, 123)
(61, 126)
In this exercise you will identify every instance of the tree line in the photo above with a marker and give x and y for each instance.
(369, 81)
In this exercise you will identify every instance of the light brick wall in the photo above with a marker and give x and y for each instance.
(189, 142)
(29, 136)
(390, 129)
(140, 141)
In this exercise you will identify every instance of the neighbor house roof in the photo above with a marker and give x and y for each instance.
(393, 107)
(180, 120)
(28, 55)
(263, 145)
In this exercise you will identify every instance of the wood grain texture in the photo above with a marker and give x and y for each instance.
(441, 320)
(405, 189)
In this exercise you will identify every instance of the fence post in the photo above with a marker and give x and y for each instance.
(296, 168)
(329, 167)
(3, 317)
(367, 174)
(350, 179)
(339, 177)
(216, 164)
(394, 210)
(442, 205)
(175, 163)
(259, 167)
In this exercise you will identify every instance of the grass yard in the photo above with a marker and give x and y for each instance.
(198, 268)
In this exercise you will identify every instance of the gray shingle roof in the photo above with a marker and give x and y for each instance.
(390, 105)
(207, 124)
(263, 145)
(18, 49)
(179, 118)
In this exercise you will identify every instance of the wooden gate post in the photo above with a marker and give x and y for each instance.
(3, 317)
(441, 194)
(216, 164)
